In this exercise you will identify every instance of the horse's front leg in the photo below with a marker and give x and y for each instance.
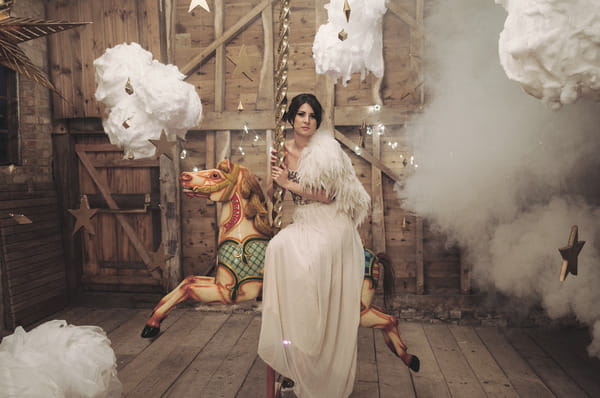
(374, 317)
(201, 288)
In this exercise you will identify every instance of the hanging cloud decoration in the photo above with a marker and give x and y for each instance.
(552, 48)
(143, 97)
(361, 51)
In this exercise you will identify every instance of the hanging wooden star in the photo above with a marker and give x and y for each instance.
(569, 254)
(347, 10)
(84, 216)
(196, 3)
(163, 146)
(243, 63)
(158, 259)
(18, 30)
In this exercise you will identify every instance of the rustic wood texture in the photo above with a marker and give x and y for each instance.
(209, 352)
(72, 54)
(32, 270)
(117, 257)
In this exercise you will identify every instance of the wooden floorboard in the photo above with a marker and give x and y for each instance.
(490, 375)
(429, 382)
(208, 353)
(544, 366)
(524, 380)
(459, 376)
(559, 348)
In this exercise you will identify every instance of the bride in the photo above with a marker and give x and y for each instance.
(314, 267)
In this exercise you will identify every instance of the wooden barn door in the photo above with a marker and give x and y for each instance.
(125, 252)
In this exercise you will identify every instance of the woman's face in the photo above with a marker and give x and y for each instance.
(305, 121)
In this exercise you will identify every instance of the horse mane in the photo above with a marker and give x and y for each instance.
(250, 189)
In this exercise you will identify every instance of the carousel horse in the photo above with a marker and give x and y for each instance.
(244, 232)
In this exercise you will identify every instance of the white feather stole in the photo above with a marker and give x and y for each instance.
(325, 166)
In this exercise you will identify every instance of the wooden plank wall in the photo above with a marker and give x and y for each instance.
(72, 53)
(422, 263)
(32, 268)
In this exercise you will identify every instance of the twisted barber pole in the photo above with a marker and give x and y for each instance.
(281, 87)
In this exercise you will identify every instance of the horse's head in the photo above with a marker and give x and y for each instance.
(215, 184)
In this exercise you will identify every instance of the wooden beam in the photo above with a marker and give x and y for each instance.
(406, 17)
(367, 156)
(266, 83)
(342, 116)
(465, 278)
(419, 37)
(170, 219)
(199, 59)
(377, 212)
(420, 263)
(106, 194)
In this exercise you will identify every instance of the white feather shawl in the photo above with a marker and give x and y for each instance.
(325, 166)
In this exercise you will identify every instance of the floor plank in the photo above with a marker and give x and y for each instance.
(166, 372)
(255, 383)
(211, 359)
(149, 358)
(366, 382)
(459, 376)
(518, 371)
(228, 378)
(491, 377)
(564, 354)
(544, 366)
(429, 382)
(394, 377)
(126, 339)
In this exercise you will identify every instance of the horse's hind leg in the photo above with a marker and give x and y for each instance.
(186, 289)
(375, 318)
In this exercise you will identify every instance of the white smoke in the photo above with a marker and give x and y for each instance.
(501, 174)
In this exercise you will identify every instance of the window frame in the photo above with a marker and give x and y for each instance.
(9, 104)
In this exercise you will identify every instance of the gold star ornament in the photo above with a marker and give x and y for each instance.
(18, 30)
(84, 216)
(569, 254)
(163, 146)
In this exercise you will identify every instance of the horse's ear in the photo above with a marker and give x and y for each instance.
(225, 165)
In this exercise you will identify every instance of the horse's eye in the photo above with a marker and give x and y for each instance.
(215, 175)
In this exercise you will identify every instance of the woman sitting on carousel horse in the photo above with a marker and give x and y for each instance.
(314, 267)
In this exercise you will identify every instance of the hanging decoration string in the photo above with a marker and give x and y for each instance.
(281, 87)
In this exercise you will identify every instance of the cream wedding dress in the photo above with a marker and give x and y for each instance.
(313, 276)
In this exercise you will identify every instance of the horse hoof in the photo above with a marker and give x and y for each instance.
(150, 332)
(414, 363)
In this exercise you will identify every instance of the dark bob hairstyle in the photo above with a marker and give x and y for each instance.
(300, 100)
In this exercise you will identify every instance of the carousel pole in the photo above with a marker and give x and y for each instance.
(281, 87)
